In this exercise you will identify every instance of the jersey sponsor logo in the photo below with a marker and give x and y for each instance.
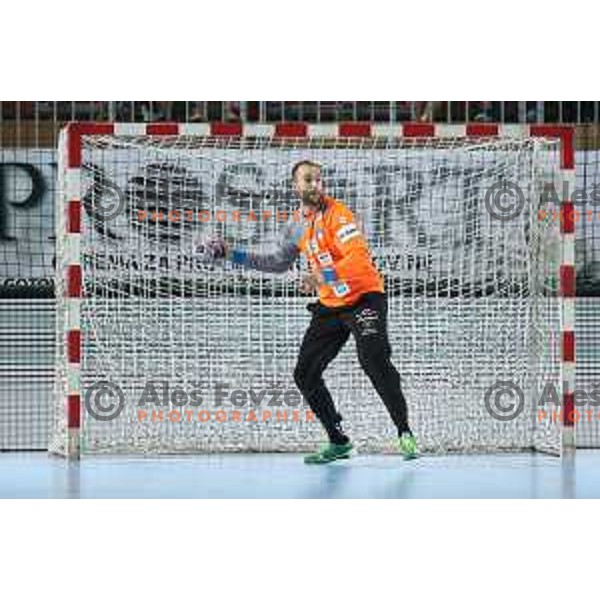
(325, 259)
(347, 232)
(341, 289)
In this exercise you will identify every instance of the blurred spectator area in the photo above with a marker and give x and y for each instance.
(35, 123)
(313, 111)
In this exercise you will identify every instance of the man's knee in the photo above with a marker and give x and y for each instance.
(307, 377)
(375, 356)
(299, 375)
(302, 375)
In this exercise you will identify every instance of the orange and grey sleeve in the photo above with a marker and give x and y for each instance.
(278, 261)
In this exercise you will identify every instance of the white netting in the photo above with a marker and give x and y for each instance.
(472, 298)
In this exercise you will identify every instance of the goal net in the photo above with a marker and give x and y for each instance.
(160, 351)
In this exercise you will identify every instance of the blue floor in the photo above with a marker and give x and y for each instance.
(36, 475)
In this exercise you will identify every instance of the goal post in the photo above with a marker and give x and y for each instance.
(159, 351)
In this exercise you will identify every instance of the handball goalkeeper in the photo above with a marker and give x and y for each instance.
(351, 301)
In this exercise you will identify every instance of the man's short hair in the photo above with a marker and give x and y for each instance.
(304, 163)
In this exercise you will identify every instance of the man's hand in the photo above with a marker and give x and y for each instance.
(311, 282)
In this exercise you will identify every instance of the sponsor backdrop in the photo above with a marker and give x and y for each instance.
(28, 188)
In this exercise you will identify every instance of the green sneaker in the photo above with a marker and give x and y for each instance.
(408, 446)
(329, 453)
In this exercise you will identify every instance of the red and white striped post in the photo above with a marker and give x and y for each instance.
(567, 274)
(73, 289)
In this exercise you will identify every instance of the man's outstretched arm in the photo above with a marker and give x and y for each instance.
(278, 261)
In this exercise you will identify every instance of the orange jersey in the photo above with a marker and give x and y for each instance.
(335, 246)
